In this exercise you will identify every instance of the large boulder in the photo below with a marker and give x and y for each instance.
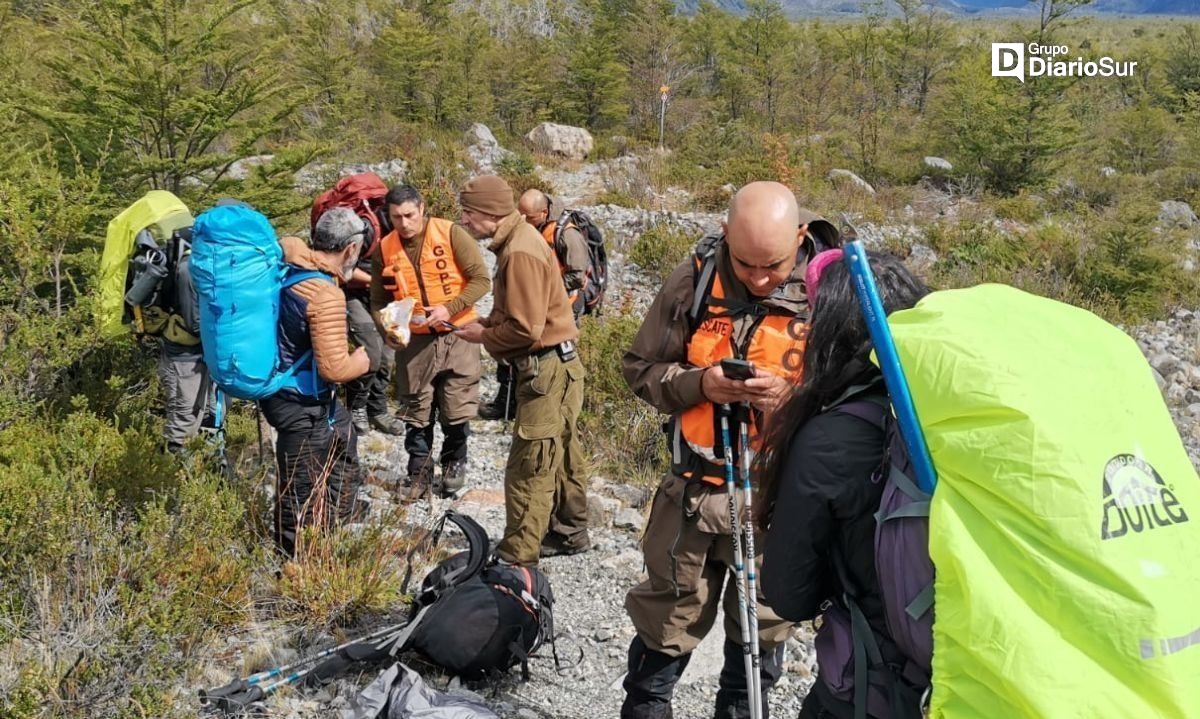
(564, 140)
(483, 148)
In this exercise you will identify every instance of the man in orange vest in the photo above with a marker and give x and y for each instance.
(537, 208)
(740, 296)
(437, 263)
(531, 326)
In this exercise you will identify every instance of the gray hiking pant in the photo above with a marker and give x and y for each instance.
(189, 392)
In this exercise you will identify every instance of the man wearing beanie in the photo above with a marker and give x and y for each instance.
(532, 327)
(437, 264)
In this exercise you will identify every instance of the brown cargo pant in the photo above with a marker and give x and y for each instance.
(692, 554)
(441, 369)
(545, 459)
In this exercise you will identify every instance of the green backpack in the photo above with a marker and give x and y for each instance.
(1063, 529)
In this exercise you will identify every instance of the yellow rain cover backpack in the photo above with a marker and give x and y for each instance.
(1065, 526)
(143, 249)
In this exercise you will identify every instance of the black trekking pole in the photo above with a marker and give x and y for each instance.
(239, 691)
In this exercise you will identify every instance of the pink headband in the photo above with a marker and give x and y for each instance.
(816, 266)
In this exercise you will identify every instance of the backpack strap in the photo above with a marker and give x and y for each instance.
(304, 363)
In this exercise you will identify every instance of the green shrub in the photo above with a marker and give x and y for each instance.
(620, 430)
(660, 248)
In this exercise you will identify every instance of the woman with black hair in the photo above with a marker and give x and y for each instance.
(820, 472)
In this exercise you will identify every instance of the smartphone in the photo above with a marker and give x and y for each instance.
(449, 325)
(737, 368)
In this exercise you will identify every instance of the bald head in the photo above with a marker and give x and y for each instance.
(763, 234)
(534, 206)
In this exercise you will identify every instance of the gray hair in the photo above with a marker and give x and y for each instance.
(337, 228)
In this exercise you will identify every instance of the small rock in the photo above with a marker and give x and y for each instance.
(1164, 363)
(938, 163)
(1173, 213)
(603, 634)
(601, 510)
(629, 519)
(1108, 171)
(630, 495)
(1158, 379)
(527, 713)
(922, 258)
(838, 176)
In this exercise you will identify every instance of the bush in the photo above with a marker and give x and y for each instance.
(622, 431)
(660, 249)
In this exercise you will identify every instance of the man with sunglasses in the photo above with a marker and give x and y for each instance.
(316, 444)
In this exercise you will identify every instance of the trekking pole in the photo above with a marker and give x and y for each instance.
(219, 423)
(855, 256)
(754, 685)
(246, 685)
(750, 660)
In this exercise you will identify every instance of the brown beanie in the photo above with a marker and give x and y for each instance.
(488, 194)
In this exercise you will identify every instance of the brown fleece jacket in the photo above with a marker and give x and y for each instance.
(326, 314)
(531, 310)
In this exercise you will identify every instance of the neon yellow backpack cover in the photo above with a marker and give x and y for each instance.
(158, 210)
(1065, 527)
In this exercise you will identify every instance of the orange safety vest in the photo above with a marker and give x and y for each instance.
(776, 345)
(548, 231)
(440, 279)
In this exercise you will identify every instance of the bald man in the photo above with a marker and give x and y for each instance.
(538, 210)
(740, 295)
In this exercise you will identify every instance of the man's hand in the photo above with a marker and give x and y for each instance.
(360, 352)
(472, 333)
(769, 390)
(763, 391)
(436, 315)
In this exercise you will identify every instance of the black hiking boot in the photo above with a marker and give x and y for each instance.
(454, 477)
(358, 418)
(495, 408)
(556, 545)
(387, 424)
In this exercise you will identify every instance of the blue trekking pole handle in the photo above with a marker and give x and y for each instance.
(219, 409)
(855, 256)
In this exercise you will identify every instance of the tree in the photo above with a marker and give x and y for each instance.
(759, 49)
(163, 93)
(597, 81)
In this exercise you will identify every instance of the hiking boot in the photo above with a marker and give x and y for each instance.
(454, 477)
(387, 424)
(358, 418)
(495, 409)
(417, 485)
(556, 545)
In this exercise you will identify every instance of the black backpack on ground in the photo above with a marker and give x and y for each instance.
(471, 619)
(597, 269)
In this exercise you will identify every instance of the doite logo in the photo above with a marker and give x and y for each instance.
(1136, 499)
(1014, 59)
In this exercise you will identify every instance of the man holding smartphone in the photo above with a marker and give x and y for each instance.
(439, 264)
(737, 304)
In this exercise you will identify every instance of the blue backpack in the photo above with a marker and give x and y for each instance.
(238, 269)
